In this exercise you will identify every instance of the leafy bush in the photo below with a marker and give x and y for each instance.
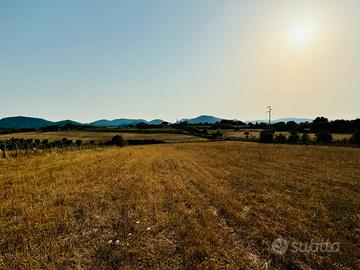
(324, 136)
(118, 140)
(294, 137)
(355, 138)
(78, 143)
(266, 136)
(218, 135)
(66, 142)
(280, 138)
(305, 138)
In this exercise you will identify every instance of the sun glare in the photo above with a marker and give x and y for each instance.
(301, 34)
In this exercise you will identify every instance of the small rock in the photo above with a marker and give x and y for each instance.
(110, 242)
(117, 242)
(148, 228)
(129, 234)
(137, 222)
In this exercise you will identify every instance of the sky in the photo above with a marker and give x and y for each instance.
(89, 60)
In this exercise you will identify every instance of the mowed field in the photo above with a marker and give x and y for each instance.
(101, 136)
(212, 205)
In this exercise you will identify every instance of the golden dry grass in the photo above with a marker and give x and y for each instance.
(100, 136)
(212, 205)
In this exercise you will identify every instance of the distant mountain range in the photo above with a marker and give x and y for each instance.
(116, 122)
(297, 120)
(32, 122)
(212, 119)
(124, 122)
(20, 122)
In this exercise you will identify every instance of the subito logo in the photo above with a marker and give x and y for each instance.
(279, 246)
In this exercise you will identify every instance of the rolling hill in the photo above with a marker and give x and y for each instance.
(288, 119)
(117, 122)
(24, 122)
(202, 119)
(31, 122)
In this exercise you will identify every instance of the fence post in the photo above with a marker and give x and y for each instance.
(17, 150)
(27, 150)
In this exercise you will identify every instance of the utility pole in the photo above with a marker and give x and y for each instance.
(269, 109)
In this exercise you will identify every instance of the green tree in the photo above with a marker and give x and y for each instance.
(78, 143)
(65, 142)
(355, 138)
(280, 138)
(305, 138)
(266, 136)
(323, 136)
(118, 140)
(294, 137)
(37, 142)
(218, 135)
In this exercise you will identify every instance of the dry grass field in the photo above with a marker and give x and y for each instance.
(212, 205)
(101, 136)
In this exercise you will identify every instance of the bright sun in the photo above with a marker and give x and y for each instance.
(301, 34)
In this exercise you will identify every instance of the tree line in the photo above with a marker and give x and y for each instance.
(14, 145)
(321, 137)
(22, 143)
(317, 125)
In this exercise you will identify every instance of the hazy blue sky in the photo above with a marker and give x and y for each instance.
(87, 60)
